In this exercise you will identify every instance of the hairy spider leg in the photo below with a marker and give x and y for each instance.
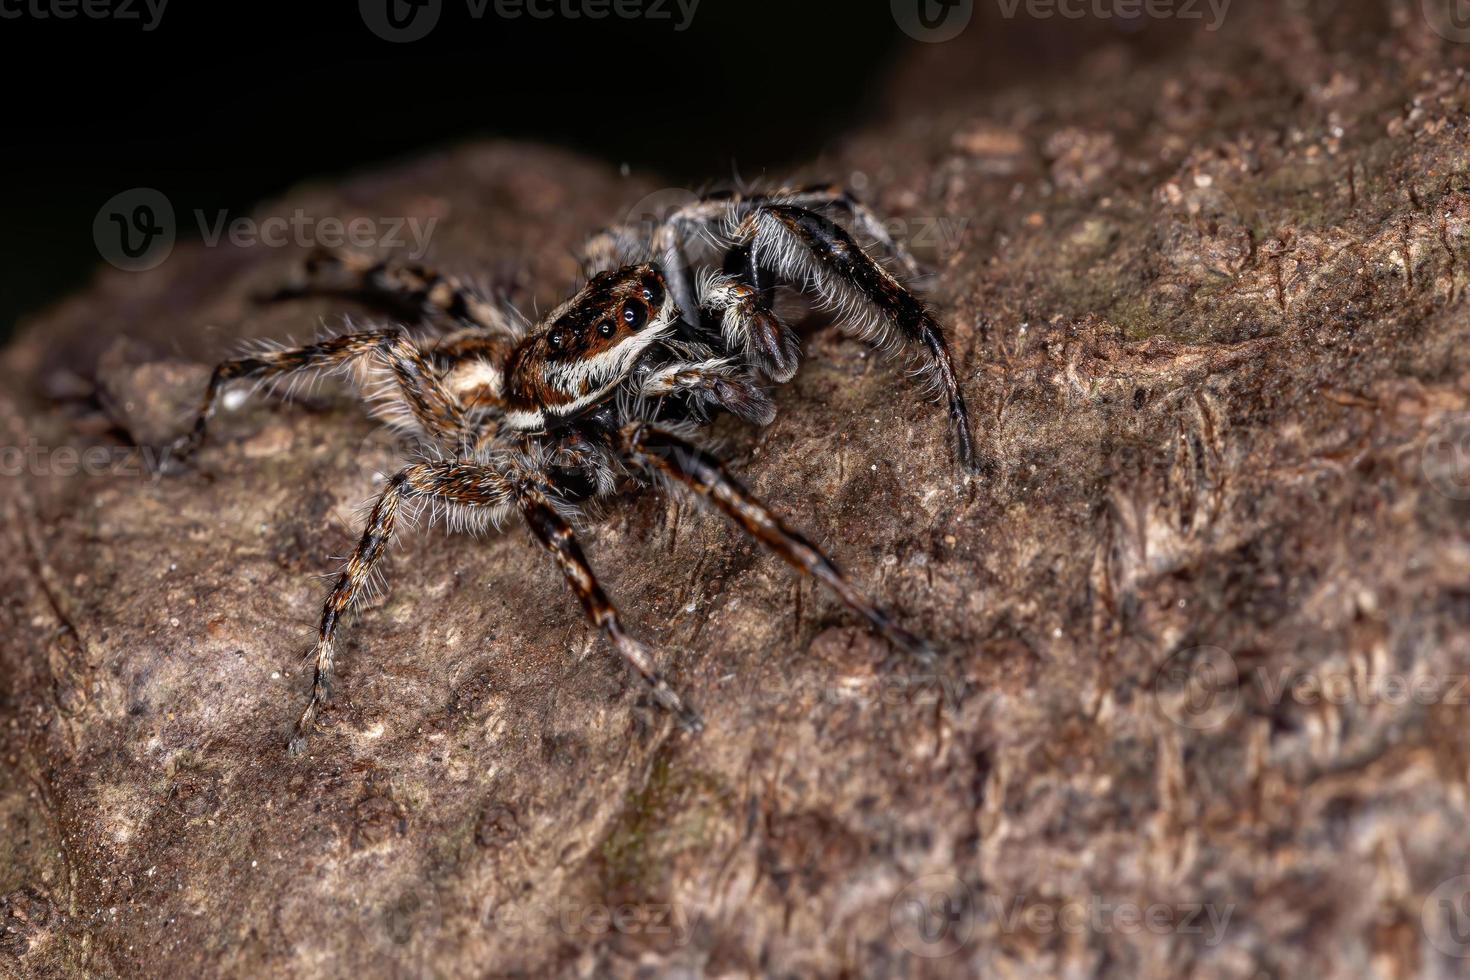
(781, 232)
(819, 196)
(477, 492)
(663, 453)
(806, 249)
(706, 215)
(666, 241)
(555, 535)
(430, 404)
(411, 288)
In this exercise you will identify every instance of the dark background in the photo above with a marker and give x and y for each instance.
(222, 105)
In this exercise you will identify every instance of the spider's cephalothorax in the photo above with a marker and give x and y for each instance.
(588, 347)
(603, 394)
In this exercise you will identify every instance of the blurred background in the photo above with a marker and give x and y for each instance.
(221, 106)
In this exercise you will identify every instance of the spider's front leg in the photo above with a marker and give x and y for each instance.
(819, 197)
(434, 409)
(482, 493)
(660, 452)
(667, 242)
(803, 247)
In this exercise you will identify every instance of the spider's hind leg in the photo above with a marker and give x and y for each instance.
(808, 250)
(409, 289)
(556, 536)
(662, 453)
(476, 492)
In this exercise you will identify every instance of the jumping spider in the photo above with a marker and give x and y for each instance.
(604, 393)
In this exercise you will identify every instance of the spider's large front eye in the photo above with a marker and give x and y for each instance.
(635, 315)
(555, 339)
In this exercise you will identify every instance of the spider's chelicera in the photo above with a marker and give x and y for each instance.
(606, 392)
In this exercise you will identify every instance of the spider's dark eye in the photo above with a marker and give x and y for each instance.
(555, 339)
(635, 315)
(653, 292)
(606, 328)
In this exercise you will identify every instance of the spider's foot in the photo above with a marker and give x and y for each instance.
(280, 294)
(915, 646)
(686, 717)
(320, 272)
(176, 454)
(977, 469)
(690, 721)
(306, 724)
(305, 728)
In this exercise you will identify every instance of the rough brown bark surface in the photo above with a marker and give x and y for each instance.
(1209, 312)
